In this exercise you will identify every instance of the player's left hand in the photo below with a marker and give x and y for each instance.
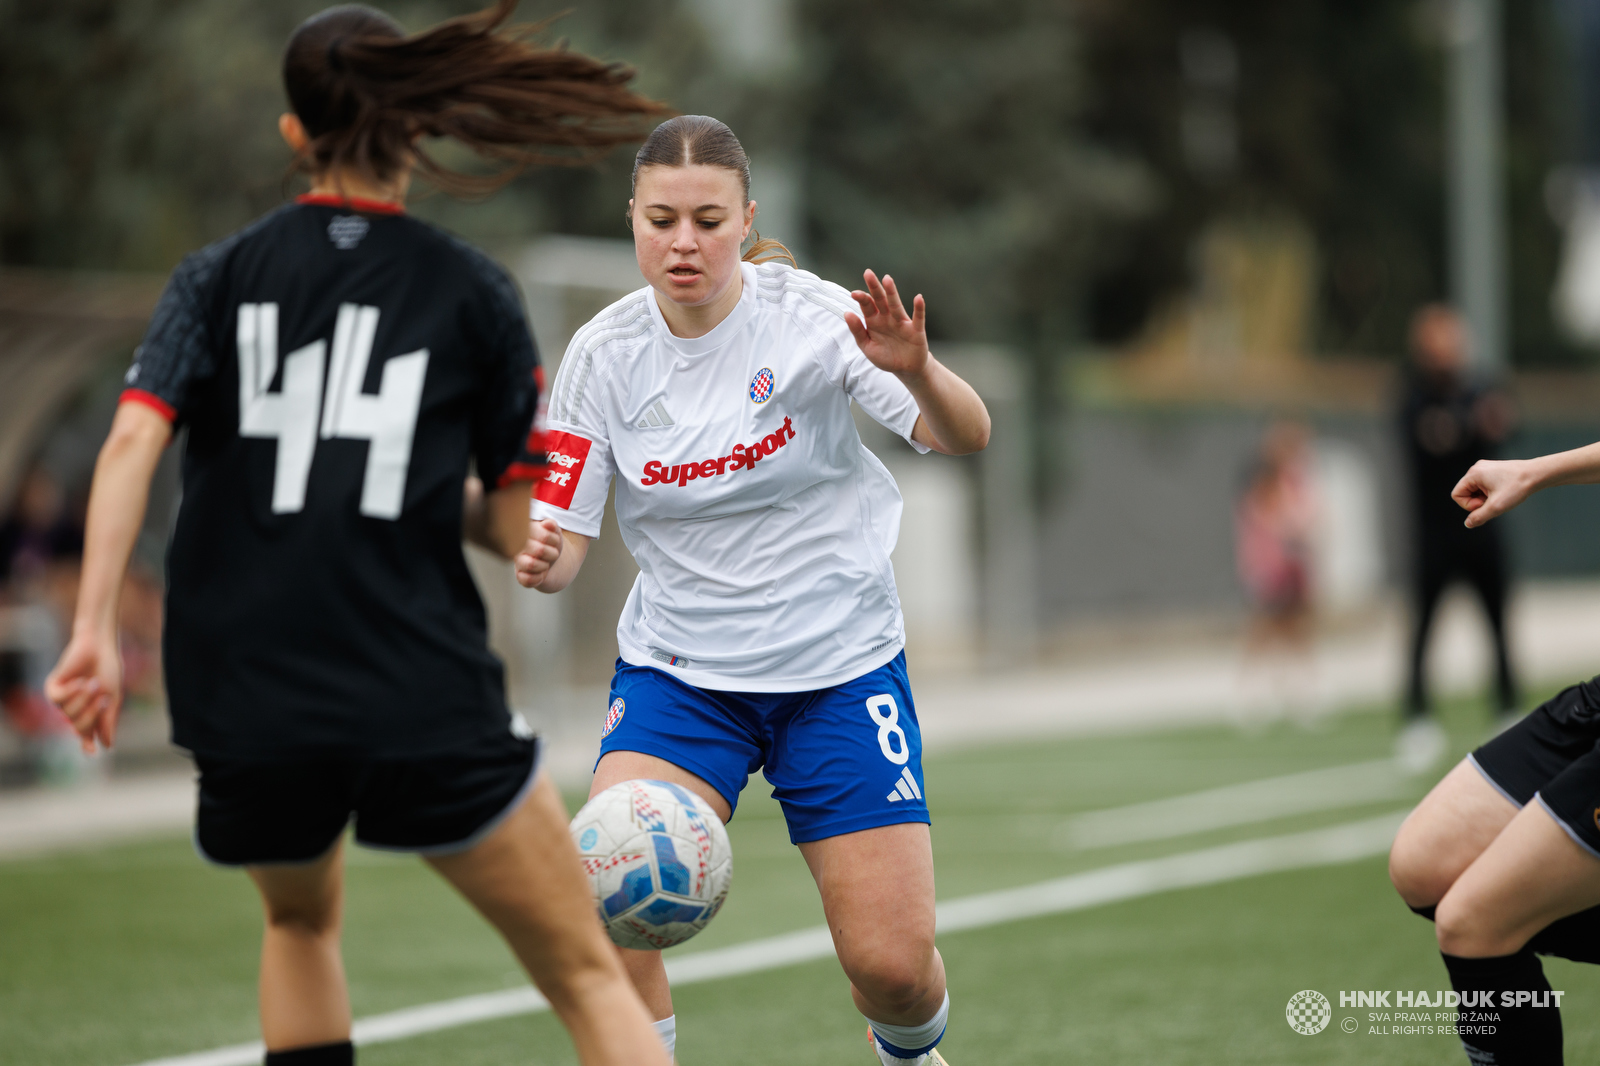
(87, 685)
(534, 561)
(891, 339)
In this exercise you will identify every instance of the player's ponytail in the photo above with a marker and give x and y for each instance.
(700, 140)
(366, 92)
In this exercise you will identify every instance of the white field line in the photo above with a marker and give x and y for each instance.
(1232, 805)
(1113, 884)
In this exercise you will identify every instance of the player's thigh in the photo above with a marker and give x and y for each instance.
(878, 893)
(525, 878)
(616, 767)
(1531, 874)
(1450, 828)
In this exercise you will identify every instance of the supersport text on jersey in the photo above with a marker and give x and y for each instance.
(761, 524)
(742, 457)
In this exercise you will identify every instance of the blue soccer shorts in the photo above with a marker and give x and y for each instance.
(839, 759)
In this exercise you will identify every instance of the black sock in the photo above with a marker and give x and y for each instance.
(1575, 937)
(1494, 1034)
(341, 1054)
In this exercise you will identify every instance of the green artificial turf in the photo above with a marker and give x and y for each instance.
(117, 955)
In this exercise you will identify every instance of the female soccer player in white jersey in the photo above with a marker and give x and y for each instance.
(338, 366)
(1504, 853)
(764, 630)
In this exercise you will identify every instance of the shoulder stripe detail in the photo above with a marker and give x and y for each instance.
(813, 290)
(572, 379)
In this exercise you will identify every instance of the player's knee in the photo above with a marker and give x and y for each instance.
(1467, 930)
(894, 980)
(1414, 869)
(310, 917)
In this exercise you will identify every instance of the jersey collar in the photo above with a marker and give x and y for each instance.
(722, 332)
(354, 203)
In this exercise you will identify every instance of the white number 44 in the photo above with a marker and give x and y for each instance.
(388, 419)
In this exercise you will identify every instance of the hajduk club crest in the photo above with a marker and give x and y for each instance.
(761, 386)
(613, 717)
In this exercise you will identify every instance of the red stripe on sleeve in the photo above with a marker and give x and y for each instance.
(150, 400)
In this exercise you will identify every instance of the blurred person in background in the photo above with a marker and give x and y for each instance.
(1274, 523)
(41, 543)
(1448, 421)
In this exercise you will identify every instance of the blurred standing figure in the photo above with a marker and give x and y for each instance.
(1273, 528)
(1448, 422)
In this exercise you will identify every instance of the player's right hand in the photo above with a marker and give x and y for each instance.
(1492, 487)
(87, 685)
(534, 561)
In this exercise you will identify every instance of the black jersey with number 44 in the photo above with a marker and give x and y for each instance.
(338, 368)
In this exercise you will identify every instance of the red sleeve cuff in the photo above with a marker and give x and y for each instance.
(522, 472)
(150, 400)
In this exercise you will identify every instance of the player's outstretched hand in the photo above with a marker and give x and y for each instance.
(534, 561)
(890, 338)
(87, 685)
(1492, 487)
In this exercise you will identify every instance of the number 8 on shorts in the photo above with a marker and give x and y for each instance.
(887, 716)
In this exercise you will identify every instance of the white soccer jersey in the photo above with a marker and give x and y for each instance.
(761, 524)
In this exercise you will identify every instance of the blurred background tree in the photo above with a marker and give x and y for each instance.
(1042, 169)
(1330, 112)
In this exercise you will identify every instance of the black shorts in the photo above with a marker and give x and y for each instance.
(254, 813)
(1553, 755)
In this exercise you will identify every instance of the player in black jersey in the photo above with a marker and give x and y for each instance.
(338, 366)
(1504, 853)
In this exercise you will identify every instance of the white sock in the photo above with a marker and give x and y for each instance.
(667, 1030)
(914, 1038)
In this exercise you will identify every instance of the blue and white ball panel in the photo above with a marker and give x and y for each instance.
(658, 862)
(840, 759)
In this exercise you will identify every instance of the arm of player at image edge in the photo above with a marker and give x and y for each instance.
(951, 418)
(1494, 486)
(87, 681)
(551, 558)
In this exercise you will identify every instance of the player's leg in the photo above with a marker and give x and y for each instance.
(846, 763)
(877, 893)
(283, 823)
(304, 1001)
(1537, 872)
(525, 878)
(645, 968)
(1446, 833)
(662, 729)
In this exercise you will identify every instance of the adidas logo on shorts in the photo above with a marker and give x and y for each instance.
(905, 787)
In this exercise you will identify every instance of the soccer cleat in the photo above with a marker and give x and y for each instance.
(932, 1058)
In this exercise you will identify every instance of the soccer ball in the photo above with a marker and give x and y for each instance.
(658, 861)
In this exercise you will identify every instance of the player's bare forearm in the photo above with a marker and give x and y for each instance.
(117, 501)
(498, 520)
(1493, 487)
(87, 680)
(552, 557)
(952, 419)
(1580, 466)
